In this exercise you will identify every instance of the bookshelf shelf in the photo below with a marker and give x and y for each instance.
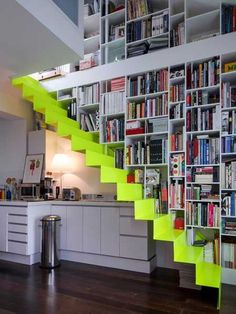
(146, 16)
(228, 235)
(204, 132)
(114, 17)
(229, 216)
(148, 39)
(116, 42)
(176, 79)
(177, 151)
(203, 165)
(112, 115)
(228, 109)
(171, 103)
(204, 201)
(202, 227)
(213, 87)
(198, 183)
(89, 106)
(228, 76)
(177, 121)
(150, 95)
(147, 118)
(91, 44)
(202, 106)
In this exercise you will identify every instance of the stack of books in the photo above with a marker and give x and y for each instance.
(228, 18)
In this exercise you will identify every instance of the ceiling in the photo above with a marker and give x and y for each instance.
(26, 45)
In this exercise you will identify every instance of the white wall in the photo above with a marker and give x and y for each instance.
(11, 102)
(12, 148)
(86, 178)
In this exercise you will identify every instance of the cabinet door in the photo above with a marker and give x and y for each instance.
(61, 211)
(3, 229)
(110, 236)
(91, 229)
(75, 228)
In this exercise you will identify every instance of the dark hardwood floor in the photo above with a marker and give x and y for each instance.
(80, 288)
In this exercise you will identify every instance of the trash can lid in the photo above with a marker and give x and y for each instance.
(51, 218)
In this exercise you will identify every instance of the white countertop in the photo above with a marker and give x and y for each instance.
(98, 203)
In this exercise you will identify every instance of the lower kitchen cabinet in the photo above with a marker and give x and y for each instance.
(110, 234)
(74, 231)
(92, 229)
(61, 210)
(3, 229)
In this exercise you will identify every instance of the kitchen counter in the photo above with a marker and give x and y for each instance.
(95, 202)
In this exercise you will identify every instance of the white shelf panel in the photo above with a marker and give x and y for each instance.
(203, 106)
(208, 183)
(91, 44)
(228, 109)
(176, 151)
(228, 190)
(149, 39)
(151, 95)
(116, 42)
(115, 17)
(110, 115)
(212, 87)
(228, 154)
(176, 79)
(172, 103)
(223, 216)
(228, 76)
(148, 165)
(91, 23)
(177, 121)
(203, 165)
(204, 201)
(202, 132)
(147, 118)
(147, 16)
(89, 106)
(226, 135)
(202, 227)
(201, 7)
(228, 235)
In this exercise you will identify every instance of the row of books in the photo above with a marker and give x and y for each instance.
(73, 110)
(228, 124)
(202, 192)
(177, 35)
(139, 30)
(177, 141)
(228, 144)
(228, 175)
(177, 164)
(228, 18)
(177, 93)
(176, 195)
(229, 226)
(149, 108)
(228, 253)
(202, 150)
(157, 125)
(138, 8)
(176, 111)
(113, 102)
(160, 23)
(211, 251)
(228, 95)
(137, 49)
(119, 158)
(147, 83)
(206, 174)
(89, 94)
(89, 122)
(154, 152)
(202, 214)
(117, 84)
(198, 119)
(204, 74)
(228, 204)
(113, 130)
(202, 97)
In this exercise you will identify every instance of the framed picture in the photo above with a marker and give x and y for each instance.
(33, 168)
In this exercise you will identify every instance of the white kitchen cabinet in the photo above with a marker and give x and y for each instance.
(132, 227)
(61, 211)
(110, 224)
(75, 228)
(3, 228)
(91, 229)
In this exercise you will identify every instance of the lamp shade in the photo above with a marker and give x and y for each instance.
(61, 163)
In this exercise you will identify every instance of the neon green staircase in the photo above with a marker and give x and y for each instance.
(99, 155)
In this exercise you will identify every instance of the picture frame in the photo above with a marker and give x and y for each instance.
(33, 168)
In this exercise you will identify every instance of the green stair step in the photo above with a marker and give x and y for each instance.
(80, 144)
(93, 159)
(208, 274)
(129, 191)
(66, 130)
(54, 118)
(145, 209)
(187, 254)
(113, 175)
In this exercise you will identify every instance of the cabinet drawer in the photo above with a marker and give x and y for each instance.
(17, 228)
(133, 247)
(129, 226)
(18, 236)
(126, 211)
(18, 210)
(17, 247)
(18, 219)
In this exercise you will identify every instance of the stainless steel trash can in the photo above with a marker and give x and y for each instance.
(50, 256)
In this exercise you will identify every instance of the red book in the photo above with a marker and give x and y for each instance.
(210, 215)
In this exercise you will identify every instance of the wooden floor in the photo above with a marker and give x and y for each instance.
(79, 288)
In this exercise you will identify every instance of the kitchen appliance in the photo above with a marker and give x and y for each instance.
(48, 188)
(28, 191)
(71, 194)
